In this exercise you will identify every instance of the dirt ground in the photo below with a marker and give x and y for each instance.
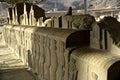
(11, 67)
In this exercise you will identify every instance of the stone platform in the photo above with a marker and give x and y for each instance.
(11, 67)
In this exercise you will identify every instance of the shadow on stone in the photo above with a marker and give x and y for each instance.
(16, 74)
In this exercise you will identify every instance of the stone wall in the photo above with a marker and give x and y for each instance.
(83, 21)
(100, 38)
(45, 50)
(61, 54)
(93, 64)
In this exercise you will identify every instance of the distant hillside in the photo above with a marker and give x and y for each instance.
(78, 4)
(103, 3)
(61, 5)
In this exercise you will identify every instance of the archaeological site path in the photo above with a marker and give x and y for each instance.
(11, 67)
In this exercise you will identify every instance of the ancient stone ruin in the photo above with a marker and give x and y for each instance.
(72, 47)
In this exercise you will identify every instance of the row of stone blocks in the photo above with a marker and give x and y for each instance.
(61, 54)
(72, 22)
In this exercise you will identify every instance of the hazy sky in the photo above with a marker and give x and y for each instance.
(62, 4)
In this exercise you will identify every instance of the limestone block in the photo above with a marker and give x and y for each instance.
(65, 22)
(49, 24)
(56, 22)
(88, 62)
(16, 16)
(100, 38)
(83, 22)
(13, 16)
(95, 37)
(40, 22)
(115, 49)
(45, 49)
(109, 42)
(103, 39)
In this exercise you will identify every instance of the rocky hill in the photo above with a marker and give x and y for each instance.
(78, 4)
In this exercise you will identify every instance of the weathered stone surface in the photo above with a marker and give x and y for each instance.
(11, 66)
(100, 38)
(25, 14)
(112, 26)
(53, 54)
(44, 49)
(93, 64)
(65, 23)
(78, 22)
(49, 24)
(10, 13)
(105, 34)
(95, 37)
(56, 22)
(65, 54)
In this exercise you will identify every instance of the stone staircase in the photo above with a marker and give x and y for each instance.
(11, 67)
